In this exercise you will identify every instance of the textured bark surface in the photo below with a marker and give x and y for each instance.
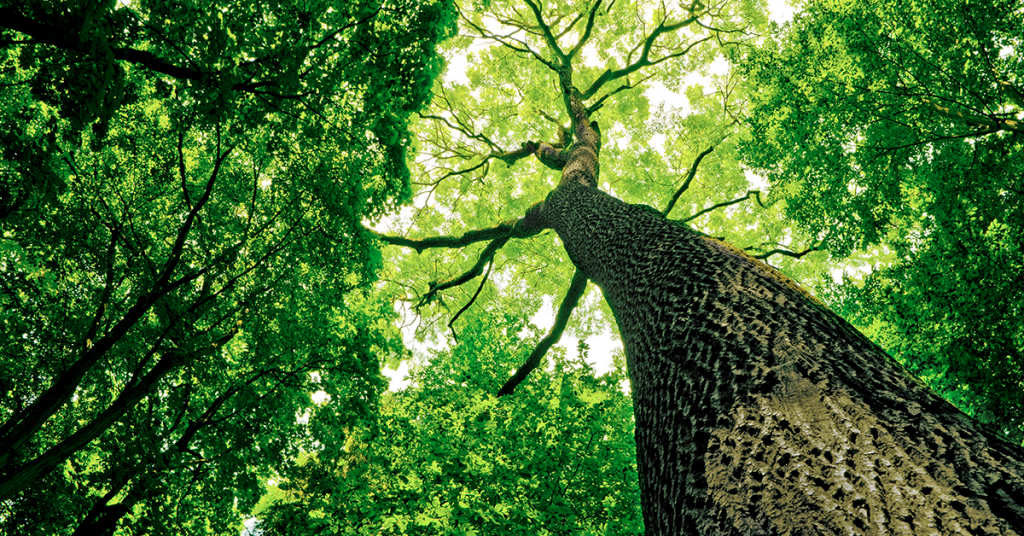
(760, 412)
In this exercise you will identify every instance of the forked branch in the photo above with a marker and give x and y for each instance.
(485, 257)
(483, 281)
(549, 37)
(569, 302)
(586, 32)
(645, 54)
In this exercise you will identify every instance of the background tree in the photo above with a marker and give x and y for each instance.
(901, 126)
(448, 457)
(182, 188)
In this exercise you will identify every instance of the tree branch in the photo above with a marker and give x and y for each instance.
(524, 48)
(50, 32)
(586, 32)
(22, 427)
(569, 302)
(451, 323)
(508, 157)
(644, 60)
(689, 178)
(504, 229)
(548, 36)
(485, 257)
(987, 123)
(461, 128)
(600, 102)
(788, 253)
(755, 193)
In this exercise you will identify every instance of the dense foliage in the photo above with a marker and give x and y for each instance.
(182, 189)
(902, 126)
(448, 457)
(183, 262)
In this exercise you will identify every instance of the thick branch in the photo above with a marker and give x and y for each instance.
(1013, 92)
(987, 123)
(505, 229)
(548, 36)
(689, 179)
(569, 302)
(54, 33)
(22, 426)
(552, 157)
(586, 32)
(22, 476)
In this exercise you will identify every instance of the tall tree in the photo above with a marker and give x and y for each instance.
(903, 126)
(182, 187)
(758, 410)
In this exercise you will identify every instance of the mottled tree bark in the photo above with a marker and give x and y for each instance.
(759, 411)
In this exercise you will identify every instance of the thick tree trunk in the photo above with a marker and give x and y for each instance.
(760, 412)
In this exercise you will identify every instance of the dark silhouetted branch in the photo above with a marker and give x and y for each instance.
(689, 179)
(569, 302)
(788, 253)
(586, 32)
(451, 323)
(549, 37)
(644, 60)
(502, 230)
(755, 193)
(486, 256)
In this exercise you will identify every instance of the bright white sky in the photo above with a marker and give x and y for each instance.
(603, 346)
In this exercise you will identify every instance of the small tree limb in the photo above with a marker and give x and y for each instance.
(755, 193)
(593, 108)
(689, 178)
(788, 253)
(485, 257)
(505, 41)
(461, 127)
(569, 302)
(451, 323)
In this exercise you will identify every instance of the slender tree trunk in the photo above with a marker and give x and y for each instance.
(758, 411)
